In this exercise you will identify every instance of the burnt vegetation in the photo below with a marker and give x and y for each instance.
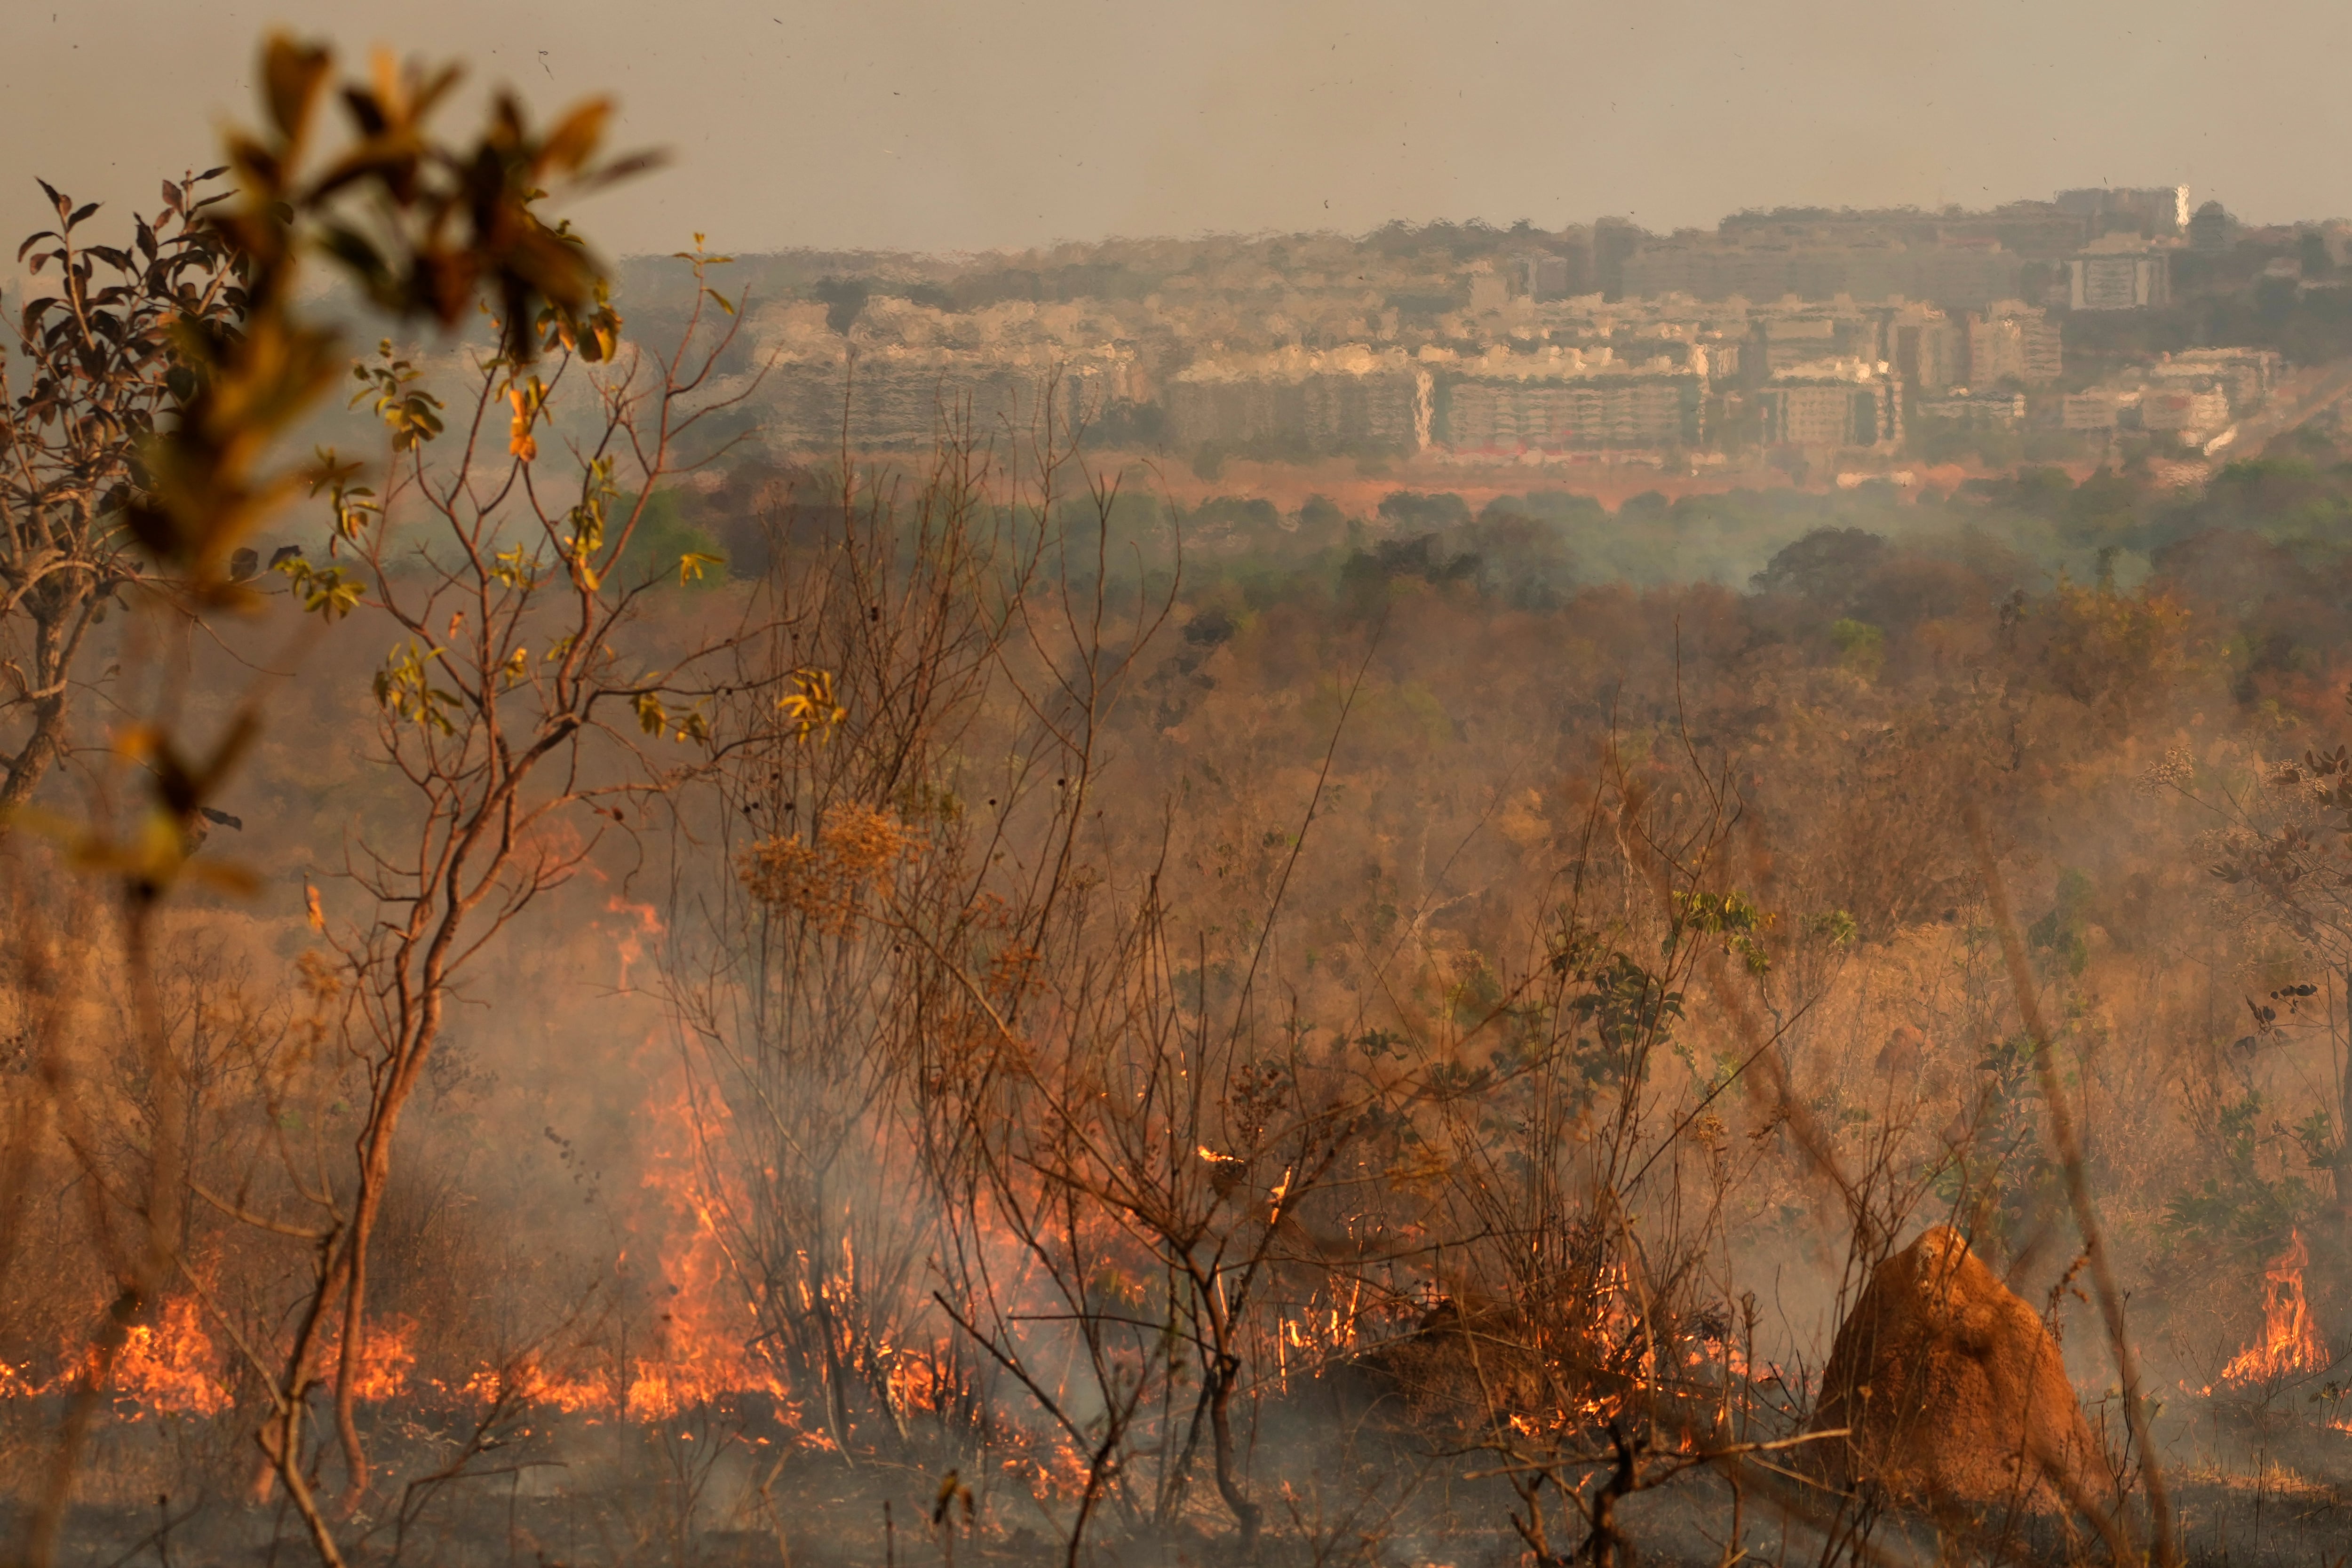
(575, 994)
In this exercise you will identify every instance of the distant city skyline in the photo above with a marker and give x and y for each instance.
(939, 125)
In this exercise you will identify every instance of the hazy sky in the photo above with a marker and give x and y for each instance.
(937, 124)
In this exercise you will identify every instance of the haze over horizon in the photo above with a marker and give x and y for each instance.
(943, 126)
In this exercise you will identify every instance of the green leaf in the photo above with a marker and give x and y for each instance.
(332, 592)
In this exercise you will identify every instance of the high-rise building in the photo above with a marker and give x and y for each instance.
(1598, 412)
(2212, 230)
(2128, 279)
(2013, 341)
(1489, 290)
(1546, 276)
(1709, 267)
(1613, 240)
(1999, 410)
(899, 399)
(1352, 398)
(1928, 348)
(2039, 229)
(1831, 412)
(2245, 376)
(2152, 212)
(2191, 414)
(2099, 408)
(1787, 343)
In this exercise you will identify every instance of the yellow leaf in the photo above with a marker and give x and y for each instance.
(520, 441)
(810, 706)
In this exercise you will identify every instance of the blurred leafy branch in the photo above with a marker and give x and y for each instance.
(163, 375)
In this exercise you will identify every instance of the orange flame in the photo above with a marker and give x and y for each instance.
(533, 1384)
(701, 1351)
(704, 1347)
(2290, 1342)
(171, 1364)
(385, 1358)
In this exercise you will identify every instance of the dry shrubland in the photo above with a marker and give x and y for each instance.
(1198, 1064)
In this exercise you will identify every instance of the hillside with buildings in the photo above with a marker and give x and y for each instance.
(2103, 325)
